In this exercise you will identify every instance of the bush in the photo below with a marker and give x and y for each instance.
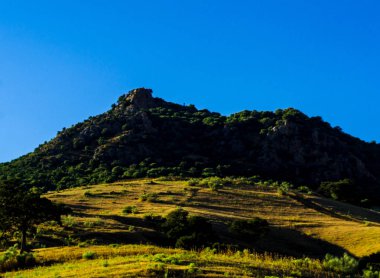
(187, 231)
(149, 197)
(192, 269)
(193, 182)
(208, 172)
(176, 224)
(370, 261)
(25, 259)
(345, 264)
(370, 273)
(105, 263)
(186, 242)
(130, 209)
(253, 228)
(215, 183)
(88, 194)
(153, 218)
(343, 190)
(89, 255)
(68, 221)
(283, 188)
(11, 259)
(304, 189)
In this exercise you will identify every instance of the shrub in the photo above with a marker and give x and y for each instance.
(164, 258)
(193, 182)
(149, 197)
(343, 190)
(88, 194)
(192, 269)
(105, 264)
(25, 259)
(283, 188)
(130, 209)
(371, 273)
(370, 261)
(208, 172)
(11, 259)
(89, 255)
(68, 221)
(70, 241)
(176, 223)
(155, 220)
(241, 181)
(345, 264)
(255, 228)
(186, 242)
(187, 231)
(304, 189)
(215, 183)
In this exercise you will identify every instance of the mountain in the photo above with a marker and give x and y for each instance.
(146, 136)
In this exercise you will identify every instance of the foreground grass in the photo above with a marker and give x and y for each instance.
(152, 261)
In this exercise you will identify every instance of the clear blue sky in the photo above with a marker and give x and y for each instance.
(62, 61)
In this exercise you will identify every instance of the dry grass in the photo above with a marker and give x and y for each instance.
(353, 229)
(152, 261)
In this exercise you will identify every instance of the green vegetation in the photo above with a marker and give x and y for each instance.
(345, 264)
(89, 255)
(187, 231)
(251, 229)
(343, 190)
(130, 209)
(149, 197)
(12, 259)
(21, 209)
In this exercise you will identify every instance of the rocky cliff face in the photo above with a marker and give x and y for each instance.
(146, 136)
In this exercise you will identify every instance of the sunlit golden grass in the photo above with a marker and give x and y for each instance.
(354, 229)
(152, 261)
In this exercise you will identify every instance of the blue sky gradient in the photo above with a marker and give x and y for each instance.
(63, 61)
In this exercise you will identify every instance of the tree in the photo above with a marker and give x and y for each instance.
(343, 190)
(249, 229)
(187, 231)
(22, 208)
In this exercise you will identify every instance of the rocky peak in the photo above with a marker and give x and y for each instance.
(140, 98)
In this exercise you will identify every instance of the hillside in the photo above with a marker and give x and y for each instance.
(299, 221)
(143, 136)
(299, 225)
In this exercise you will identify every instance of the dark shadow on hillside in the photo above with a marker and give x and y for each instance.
(297, 244)
(217, 207)
(320, 205)
(120, 237)
(284, 241)
(281, 240)
(353, 211)
(81, 207)
(133, 221)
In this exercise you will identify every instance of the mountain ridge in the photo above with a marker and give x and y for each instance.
(142, 135)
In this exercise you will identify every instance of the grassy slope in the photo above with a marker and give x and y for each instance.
(301, 224)
(153, 261)
(351, 228)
